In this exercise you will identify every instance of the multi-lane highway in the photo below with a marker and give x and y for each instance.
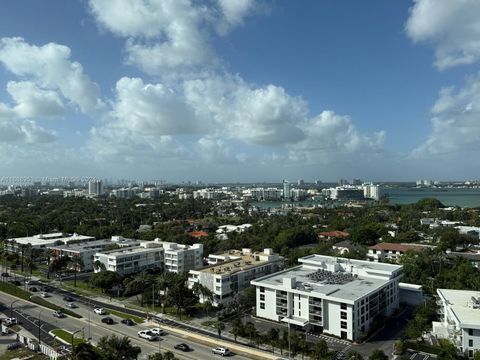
(91, 326)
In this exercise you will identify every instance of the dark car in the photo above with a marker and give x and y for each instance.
(68, 298)
(128, 322)
(15, 282)
(107, 320)
(5, 274)
(183, 347)
(33, 289)
(46, 288)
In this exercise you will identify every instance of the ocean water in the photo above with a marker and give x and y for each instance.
(449, 197)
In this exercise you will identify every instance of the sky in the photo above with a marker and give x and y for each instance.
(240, 90)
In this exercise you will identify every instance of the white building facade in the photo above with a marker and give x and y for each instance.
(460, 319)
(182, 258)
(231, 272)
(337, 296)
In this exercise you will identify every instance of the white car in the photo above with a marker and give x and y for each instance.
(219, 350)
(147, 334)
(99, 311)
(157, 331)
(10, 321)
(44, 294)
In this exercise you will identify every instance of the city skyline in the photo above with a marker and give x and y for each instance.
(240, 91)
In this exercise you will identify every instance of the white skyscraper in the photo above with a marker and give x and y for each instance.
(286, 189)
(95, 188)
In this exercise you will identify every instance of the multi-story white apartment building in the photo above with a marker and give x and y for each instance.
(43, 241)
(371, 191)
(231, 272)
(182, 258)
(460, 319)
(95, 188)
(87, 250)
(338, 296)
(131, 260)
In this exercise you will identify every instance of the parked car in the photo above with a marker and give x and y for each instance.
(147, 334)
(10, 321)
(15, 282)
(44, 294)
(33, 289)
(108, 320)
(158, 331)
(59, 314)
(128, 322)
(5, 274)
(183, 347)
(46, 288)
(220, 350)
(71, 305)
(99, 311)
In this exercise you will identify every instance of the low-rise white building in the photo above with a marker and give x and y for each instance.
(338, 296)
(460, 319)
(131, 260)
(87, 250)
(43, 241)
(182, 258)
(231, 272)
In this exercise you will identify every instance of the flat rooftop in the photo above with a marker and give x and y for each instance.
(129, 251)
(460, 302)
(244, 261)
(84, 245)
(50, 238)
(315, 277)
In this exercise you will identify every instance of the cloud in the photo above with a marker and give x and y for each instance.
(453, 27)
(234, 13)
(331, 136)
(258, 115)
(49, 66)
(31, 101)
(152, 109)
(162, 34)
(455, 125)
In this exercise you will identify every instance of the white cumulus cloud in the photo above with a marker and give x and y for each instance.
(50, 67)
(452, 26)
(31, 101)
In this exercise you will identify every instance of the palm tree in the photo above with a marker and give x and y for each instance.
(117, 348)
(98, 265)
(77, 264)
(220, 326)
(84, 351)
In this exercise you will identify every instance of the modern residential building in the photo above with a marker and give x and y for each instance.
(231, 272)
(286, 189)
(131, 260)
(393, 251)
(460, 319)
(95, 188)
(43, 241)
(338, 296)
(87, 250)
(182, 258)
(371, 191)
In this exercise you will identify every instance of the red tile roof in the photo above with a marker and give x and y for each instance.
(337, 234)
(198, 234)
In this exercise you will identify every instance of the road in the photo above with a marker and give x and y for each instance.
(28, 314)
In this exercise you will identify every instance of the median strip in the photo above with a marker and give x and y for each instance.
(123, 315)
(66, 337)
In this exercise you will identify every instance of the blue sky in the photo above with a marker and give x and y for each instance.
(240, 90)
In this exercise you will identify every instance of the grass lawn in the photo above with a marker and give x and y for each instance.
(67, 337)
(22, 353)
(14, 290)
(123, 315)
(41, 301)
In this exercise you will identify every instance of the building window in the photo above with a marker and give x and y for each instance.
(343, 306)
(218, 280)
(262, 297)
(470, 332)
(262, 289)
(343, 315)
(343, 324)
(470, 343)
(470, 353)
(262, 306)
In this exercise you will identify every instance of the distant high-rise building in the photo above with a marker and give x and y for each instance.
(371, 191)
(95, 188)
(286, 189)
(318, 182)
(356, 182)
(419, 182)
(300, 182)
(342, 182)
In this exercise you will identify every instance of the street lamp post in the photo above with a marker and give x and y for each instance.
(11, 307)
(39, 327)
(89, 311)
(73, 334)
